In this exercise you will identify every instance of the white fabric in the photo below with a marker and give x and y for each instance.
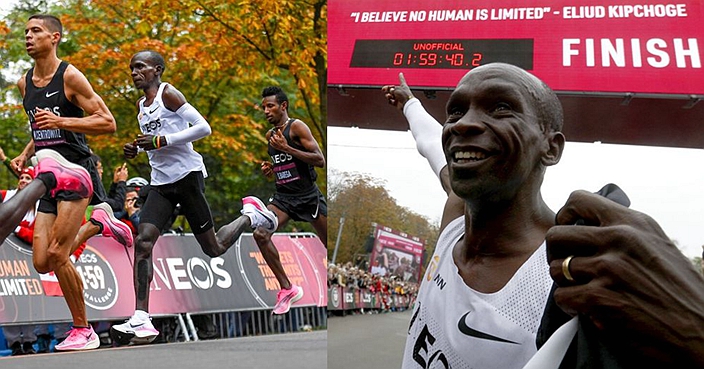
(446, 307)
(199, 126)
(427, 133)
(175, 161)
(553, 351)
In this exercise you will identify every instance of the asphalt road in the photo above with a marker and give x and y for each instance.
(367, 341)
(294, 350)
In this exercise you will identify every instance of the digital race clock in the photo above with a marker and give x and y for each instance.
(441, 54)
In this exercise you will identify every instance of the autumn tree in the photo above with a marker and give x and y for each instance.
(219, 54)
(362, 200)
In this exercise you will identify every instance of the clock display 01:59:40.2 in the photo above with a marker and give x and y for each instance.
(439, 59)
(441, 54)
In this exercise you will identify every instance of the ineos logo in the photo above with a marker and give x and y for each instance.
(151, 126)
(281, 158)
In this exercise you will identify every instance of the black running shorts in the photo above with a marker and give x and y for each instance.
(190, 193)
(303, 208)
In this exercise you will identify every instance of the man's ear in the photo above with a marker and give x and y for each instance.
(159, 69)
(555, 145)
(284, 105)
(55, 38)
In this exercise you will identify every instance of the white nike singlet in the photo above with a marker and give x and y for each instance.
(173, 162)
(454, 326)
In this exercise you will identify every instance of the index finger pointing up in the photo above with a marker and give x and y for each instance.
(402, 80)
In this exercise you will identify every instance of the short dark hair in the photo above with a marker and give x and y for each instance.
(155, 58)
(275, 91)
(51, 22)
(96, 159)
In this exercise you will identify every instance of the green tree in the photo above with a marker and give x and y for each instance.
(219, 54)
(363, 200)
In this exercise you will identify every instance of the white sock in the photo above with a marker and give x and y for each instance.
(141, 315)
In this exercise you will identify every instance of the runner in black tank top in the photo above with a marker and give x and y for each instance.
(294, 154)
(71, 145)
(292, 175)
(55, 96)
(52, 97)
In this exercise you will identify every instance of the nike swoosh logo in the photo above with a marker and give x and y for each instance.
(271, 222)
(152, 111)
(51, 94)
(315, 215)
(464, 328)
(136, 326)
(204, 224)
(118, 234)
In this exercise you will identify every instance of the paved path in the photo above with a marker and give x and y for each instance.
(293, 350)
(367, 341)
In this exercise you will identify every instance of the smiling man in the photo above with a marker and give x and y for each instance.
(487, 283)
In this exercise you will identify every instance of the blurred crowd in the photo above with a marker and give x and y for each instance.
(353, 277)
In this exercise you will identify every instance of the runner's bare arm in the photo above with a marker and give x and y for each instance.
(312, 154)
(98, 119)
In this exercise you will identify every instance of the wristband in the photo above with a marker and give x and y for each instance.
(155, 142)
(7, 161)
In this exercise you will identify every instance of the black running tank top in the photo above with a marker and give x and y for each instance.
(52, 97)
(293, 176)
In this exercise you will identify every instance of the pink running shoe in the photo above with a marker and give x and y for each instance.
(259, 215)
(69, 176)
(285, 298)
(112, 227)
(79, 339)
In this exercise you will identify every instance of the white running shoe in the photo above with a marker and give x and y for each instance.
(134, 330)
(259, 214)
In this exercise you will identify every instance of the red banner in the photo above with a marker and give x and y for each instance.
(185, 279)
(614, 46)
(396, 254)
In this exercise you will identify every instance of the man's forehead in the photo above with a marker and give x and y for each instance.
(271, 99)
(141, 58)
(499, 77)
(489, 72)
(35, 23)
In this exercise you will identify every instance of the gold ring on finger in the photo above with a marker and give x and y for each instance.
(566, 268)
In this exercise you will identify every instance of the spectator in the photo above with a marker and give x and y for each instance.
(20, 339)
(7, 162)
(130, 215)
(384, 287)
(117, 191)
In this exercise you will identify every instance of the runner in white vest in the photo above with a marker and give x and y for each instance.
(169, 125)
(485, 289)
